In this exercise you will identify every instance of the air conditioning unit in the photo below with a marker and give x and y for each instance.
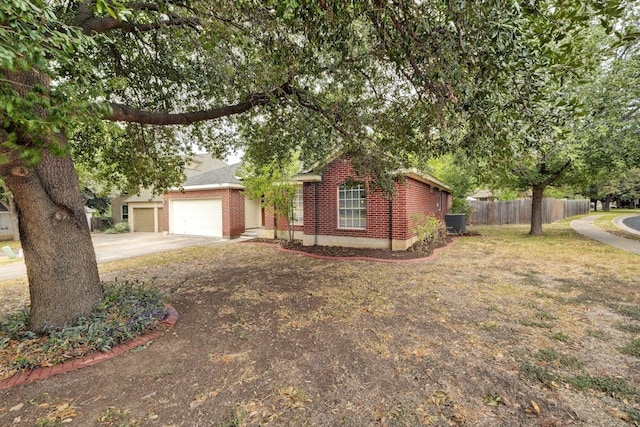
(456, 223)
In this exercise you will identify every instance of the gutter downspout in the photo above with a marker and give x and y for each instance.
(315, 214)
(390, 223)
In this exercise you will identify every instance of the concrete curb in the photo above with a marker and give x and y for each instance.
(89, 360)
(619, 222)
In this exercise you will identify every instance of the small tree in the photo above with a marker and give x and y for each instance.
(272, 184)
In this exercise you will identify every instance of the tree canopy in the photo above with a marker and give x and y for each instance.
(127, 88)
(269, 76)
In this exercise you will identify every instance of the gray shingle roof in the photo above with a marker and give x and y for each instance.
(223, 175)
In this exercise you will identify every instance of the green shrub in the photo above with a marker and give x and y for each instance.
(120, 227)
(428, 228)
(461, 206)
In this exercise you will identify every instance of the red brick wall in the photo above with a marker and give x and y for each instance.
(232, 208)
(333, 175)
(421, 200)
(282, 222)
(411, 197)
(233, 214)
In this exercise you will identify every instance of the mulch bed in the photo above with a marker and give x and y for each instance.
(418, 250)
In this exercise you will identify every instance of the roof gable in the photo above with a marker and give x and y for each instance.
(220, 177)
(314, 173)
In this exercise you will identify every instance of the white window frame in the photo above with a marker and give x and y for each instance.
(352, 206)
(124, 215)
(298, 206)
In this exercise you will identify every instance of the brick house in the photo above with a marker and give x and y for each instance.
(333, 209)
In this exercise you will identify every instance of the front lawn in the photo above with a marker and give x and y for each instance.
(499, 329)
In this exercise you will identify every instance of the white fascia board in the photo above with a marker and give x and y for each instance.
(307, 178)
(427, 179)
(210, 187)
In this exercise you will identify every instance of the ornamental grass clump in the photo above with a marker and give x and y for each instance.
(129, 309)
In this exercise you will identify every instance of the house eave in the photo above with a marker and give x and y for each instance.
(427, 179)
(305, 177)
(209, 187)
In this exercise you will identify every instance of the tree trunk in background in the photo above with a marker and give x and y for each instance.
(536, 211)
(606, 204)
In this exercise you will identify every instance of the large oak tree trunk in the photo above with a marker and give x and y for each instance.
(536, 211)
(56, 241)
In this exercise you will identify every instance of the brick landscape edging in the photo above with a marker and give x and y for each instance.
(91, 359)
(361, 258)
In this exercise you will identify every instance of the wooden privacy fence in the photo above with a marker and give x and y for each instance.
(519, 211)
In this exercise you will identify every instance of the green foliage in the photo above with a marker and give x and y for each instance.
(129, 309)
(120, 227)
(632, 348)
(559, 359)
(456, 171)
(35, 42)
(608, 134)
(609, 385)
(539, 374)
(92, 200)
(410, 80)
(272, 183)
(461, 206)
(428, 228)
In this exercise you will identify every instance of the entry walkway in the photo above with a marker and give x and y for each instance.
(586, 227)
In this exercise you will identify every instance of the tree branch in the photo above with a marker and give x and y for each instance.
(93, 24)
(125, 113)
(551, 179)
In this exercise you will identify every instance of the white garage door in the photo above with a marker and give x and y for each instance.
(197, 217)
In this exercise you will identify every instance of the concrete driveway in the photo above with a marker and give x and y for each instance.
(112, 247)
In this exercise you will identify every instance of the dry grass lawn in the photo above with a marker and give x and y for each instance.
(499, 329)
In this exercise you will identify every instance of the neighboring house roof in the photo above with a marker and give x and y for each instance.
(483, 194)
(201, 163)
(224, 177)
(145, 195)
(198, 165)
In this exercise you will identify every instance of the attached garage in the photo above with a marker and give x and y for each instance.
(143, 219)
(210, 204)
(199, 217)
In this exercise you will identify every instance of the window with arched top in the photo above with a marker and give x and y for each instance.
(352, 205)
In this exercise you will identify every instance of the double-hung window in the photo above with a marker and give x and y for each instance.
(352, 206)
(298, 203)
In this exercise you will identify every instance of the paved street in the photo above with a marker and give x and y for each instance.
(111, 247)
(632, 222)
